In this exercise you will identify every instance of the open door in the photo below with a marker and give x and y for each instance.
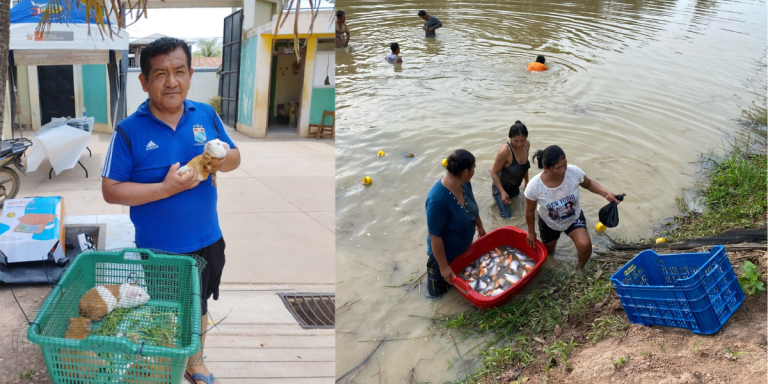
(285, 89)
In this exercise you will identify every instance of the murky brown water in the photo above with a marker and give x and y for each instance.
(635, 91)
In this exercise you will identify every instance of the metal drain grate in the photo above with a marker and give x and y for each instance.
(311, 310)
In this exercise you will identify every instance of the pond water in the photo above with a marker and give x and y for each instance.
(636, 90)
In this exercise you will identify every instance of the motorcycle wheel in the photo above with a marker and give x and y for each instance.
(9, 184)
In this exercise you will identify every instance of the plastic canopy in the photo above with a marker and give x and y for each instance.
(68, 30)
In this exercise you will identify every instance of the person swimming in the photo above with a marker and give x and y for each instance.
(538, 65)
(394, 57)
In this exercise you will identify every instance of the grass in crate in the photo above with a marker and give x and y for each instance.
(148, 324)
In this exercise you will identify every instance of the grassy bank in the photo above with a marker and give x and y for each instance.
(734, 193)
(511, 330)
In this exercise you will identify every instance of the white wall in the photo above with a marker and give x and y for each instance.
(288, 84)
(205, 85)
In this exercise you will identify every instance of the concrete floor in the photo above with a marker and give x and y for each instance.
(277, 215)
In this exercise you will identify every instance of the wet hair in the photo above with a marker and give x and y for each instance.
(459, 161)
(394, 47)
(549, 156)
(162, 46)
(540, 59)
(422, 13)
(518, 129)
(339, 13)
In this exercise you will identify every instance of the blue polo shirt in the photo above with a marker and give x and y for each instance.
(142, 150)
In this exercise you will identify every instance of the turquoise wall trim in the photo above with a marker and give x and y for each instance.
(247, 81)
(322, 99)
(95, 92)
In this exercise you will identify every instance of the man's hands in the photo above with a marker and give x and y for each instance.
(432, 29)
(174, 183)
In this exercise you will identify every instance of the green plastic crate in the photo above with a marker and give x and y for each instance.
(173, 284)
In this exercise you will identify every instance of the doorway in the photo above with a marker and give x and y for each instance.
(57, 92)
(286, 83)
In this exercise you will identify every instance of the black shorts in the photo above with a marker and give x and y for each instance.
(436, 285)
(549, 235)
(211, 275)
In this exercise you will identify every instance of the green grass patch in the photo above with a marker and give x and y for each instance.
(733, 197)
(558, 353)
(27, 374)
(508, 330)
(622, 361)
(610, 325)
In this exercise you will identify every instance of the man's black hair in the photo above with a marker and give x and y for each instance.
(422, 13)
(394, 47)
(162, 46)
(540, 59)
(339, 13)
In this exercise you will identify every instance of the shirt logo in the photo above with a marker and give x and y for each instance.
(151, 145)
(199, 133)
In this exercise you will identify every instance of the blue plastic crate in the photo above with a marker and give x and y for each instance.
(695, 291)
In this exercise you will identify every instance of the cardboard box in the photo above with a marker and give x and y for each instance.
(32, 228)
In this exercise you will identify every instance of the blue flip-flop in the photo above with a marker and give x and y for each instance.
(199, 376)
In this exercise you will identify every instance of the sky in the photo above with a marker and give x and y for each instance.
(184, 23)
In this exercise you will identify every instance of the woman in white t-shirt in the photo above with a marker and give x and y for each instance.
(556, 194)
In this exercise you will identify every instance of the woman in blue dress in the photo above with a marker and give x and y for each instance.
(452, 217)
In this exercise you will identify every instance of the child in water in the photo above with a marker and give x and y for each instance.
(393, 57)
(538, 65)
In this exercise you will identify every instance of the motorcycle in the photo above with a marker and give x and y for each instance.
(11, 151)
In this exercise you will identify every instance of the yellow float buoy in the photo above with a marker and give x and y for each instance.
(600, 227)
(367, 180)
(445, 162)
(380, 153)
(410, 155)
(661, 240)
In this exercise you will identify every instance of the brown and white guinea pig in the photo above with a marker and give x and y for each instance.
(214, 150)
(103, 299)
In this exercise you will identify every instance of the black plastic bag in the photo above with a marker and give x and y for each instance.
(609, 215)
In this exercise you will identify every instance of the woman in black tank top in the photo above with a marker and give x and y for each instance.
(509, 170)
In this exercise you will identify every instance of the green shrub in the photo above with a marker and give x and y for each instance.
(750, 279)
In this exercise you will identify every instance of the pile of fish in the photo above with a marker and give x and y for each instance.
(497, 270)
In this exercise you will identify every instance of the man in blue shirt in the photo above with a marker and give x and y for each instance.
(171, 213)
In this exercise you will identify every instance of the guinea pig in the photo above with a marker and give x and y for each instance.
(103, 299)
(79, 328)
(149, 370)
(214, 150)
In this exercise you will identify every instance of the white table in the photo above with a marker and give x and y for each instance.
(62, 142)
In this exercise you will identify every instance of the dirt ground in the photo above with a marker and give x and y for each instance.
(20, 362)
(661, 355)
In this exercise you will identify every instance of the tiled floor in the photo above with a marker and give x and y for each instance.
(283, 191)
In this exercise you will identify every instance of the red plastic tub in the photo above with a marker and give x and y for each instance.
(511, 236)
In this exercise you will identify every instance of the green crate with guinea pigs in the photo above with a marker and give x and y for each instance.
(131, 316)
